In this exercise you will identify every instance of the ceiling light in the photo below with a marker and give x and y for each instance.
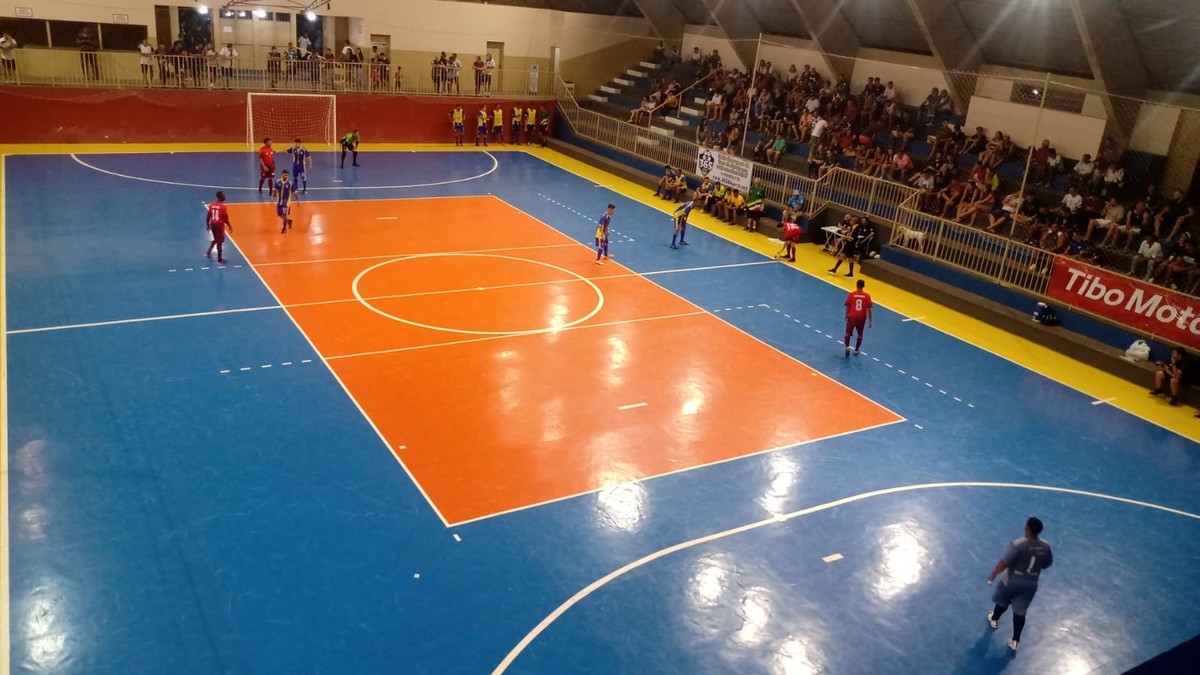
(310, 15)
(203, 9)
(260, 13)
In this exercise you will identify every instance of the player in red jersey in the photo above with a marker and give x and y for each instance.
(266, 167)
(858, 312)
(217, 222)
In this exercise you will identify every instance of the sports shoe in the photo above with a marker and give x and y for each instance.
(683, 243)
(992, 622)
(847, 352)
(599, 262)
(208, 255)
(1173, 401)
(850, 274)
(674, 246)
(220, 261)
(832, 271)
(856, 352)
(1012, 644)
(1156, 392)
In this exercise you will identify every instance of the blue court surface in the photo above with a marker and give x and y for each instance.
(164, 518)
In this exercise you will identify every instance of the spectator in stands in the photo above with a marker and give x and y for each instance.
(777, 150)
(1136, 221)
(993, 152)
(1085, 175)
(976, 142)
(1148, 255)
(1006, 213)
(1173, 373)
(1077, 246)
(8, 56)
(1071, 203)
(943, 139)
(274, 65)
(929, 107)
(696, 56)
(1114, 180)
(643, 113)
(1110, 153)
(1040, 163)
(399, 78)
(225, 59)
(899, 167)
(817, 132)
(211, 65)
(1054, 166)
(1175, 213)
(902, 130)
(478, 67)
(984, 201)
(889, 92)
(1112, 215)
(704, 194)
(715, 106)
(660, 53)
(949, 197)
(1179, 266)
(88, 46)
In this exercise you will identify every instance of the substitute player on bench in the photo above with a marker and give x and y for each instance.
(858, 313)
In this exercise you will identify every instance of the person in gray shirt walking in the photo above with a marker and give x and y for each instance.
(1019, 571)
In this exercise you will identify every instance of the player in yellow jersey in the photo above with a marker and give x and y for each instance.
(456, 116)
(498, 124)
(518, 114)
(481, 120)
(530, 124)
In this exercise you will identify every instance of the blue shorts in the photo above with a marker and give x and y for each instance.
(282, 210)
(458, 126)
(297, 170)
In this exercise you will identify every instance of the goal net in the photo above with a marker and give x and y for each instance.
(284, 117)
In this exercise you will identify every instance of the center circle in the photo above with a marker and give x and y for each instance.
(365, 302)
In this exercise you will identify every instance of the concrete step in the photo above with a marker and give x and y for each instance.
(648, 64)
(597, 98)
(661, 131)
(643, 140)
(676, 121)
(700, 100)
(691, 111)
(623, 82)
(636, 73)
(609, 90)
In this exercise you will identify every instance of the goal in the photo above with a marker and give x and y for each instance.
(283, 117)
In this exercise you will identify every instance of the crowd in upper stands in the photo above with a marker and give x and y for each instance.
(1086, 208)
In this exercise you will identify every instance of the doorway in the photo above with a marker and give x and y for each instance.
(496, 51)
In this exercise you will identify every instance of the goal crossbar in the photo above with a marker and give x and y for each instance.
(309, 117)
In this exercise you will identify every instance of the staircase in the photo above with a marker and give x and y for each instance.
(625, 91)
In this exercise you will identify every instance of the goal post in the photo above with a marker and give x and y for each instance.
(283, 117)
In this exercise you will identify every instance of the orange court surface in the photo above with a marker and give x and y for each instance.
(505, 369)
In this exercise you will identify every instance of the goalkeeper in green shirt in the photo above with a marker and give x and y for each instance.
(350, 144)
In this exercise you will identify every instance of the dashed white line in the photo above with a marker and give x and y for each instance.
(875, 359)
(918, 426)
(244, 369)
(306, 361)
(889, 365)
(929, 385)
(224, 372)
(911, 318)
(833, 558)
(958, 399)
(942, 392)
(265, 365)
(457, 538)
(286, 363)
(900, 371)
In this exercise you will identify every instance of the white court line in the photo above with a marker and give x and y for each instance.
(647, 479)
(5, 616)
(1104, 400)
(401, 255)
(118, 322)
(833, 558)
(911, 318)
(631, 406)
(488, 338)
(705, 269)
(388, 218)
(346, 389)
(495, 165)
(773, 520)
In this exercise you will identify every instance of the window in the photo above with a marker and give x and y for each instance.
(122, 36)
(283, 16)
(64, 33)
(27, 32)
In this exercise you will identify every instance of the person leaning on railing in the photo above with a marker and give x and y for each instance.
(88, 60)
(8, 56)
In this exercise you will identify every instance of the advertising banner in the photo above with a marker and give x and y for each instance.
(1143, 307)
(729, 169)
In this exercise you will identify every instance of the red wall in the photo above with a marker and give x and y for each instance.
(68, 115)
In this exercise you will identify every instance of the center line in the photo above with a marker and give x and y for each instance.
(631, 406)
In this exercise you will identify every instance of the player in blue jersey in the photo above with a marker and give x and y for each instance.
(602, 234)
(301, 160)
(284, 191)
(681, 217)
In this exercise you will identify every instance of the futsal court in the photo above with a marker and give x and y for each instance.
(424, 432)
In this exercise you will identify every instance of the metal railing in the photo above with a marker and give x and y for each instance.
(56, 67)
(993, 256)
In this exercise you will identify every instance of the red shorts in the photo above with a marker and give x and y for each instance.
(269, 172)
(858, 324)
(218, 234)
